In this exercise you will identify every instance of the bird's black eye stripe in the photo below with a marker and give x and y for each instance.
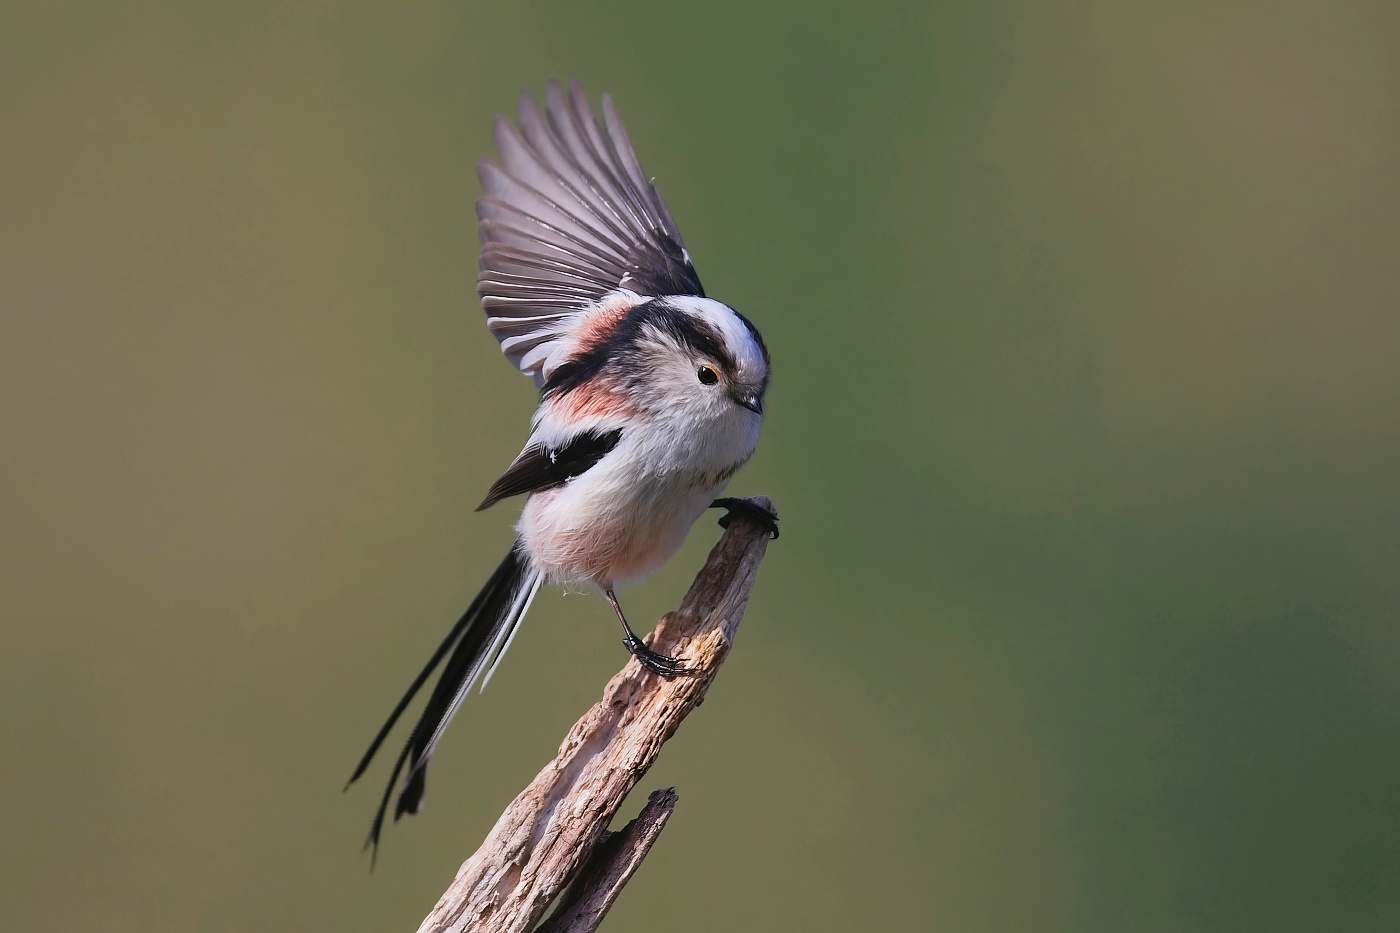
(651, 316)
(708, 376)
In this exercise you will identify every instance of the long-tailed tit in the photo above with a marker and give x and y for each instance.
(651, 394)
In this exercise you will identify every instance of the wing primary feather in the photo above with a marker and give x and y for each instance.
(520, 158)
(576, 114)
(632, 196)
(528, 288)
(531, 268)
(627, 155)
(567, 218)
(504, 188)
(504, 236)
(573, 133)
(553, 153)
(494, 209)
(622, 147)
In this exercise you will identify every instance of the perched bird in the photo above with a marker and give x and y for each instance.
(651, 394)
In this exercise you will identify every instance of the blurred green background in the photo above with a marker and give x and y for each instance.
(1085, 430)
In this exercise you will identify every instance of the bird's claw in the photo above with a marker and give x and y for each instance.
(748, 508)
(662, 665)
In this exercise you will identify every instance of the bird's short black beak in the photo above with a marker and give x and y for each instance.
(747, 398)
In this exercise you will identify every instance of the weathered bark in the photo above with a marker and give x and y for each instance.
(586, 902)
(547, 837)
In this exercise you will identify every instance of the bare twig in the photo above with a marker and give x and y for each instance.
(548, 834)
(588, 899)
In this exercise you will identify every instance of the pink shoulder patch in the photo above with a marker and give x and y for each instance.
(599, 398)
(594, 399)
(599, 323)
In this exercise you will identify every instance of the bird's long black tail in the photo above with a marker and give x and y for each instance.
(477, 643)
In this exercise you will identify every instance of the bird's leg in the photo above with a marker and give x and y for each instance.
(657, 663)
(750, 509)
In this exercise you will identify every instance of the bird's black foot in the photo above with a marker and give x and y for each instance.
(748, 508)
(660, 664)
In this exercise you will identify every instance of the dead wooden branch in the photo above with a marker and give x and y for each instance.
(548, 835)
(586, 902)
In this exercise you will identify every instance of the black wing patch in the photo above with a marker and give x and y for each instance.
(543, 468)
(661, 267)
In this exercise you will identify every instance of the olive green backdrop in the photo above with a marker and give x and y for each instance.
(1085, 430)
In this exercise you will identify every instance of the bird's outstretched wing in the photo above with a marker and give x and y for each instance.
(566, 219)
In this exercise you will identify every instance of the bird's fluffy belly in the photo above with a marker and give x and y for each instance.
(594, 531)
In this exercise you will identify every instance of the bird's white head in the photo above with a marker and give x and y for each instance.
(698, 357)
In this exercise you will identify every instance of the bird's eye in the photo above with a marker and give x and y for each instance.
(708, 376)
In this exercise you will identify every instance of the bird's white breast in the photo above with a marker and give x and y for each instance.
(623, 518)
